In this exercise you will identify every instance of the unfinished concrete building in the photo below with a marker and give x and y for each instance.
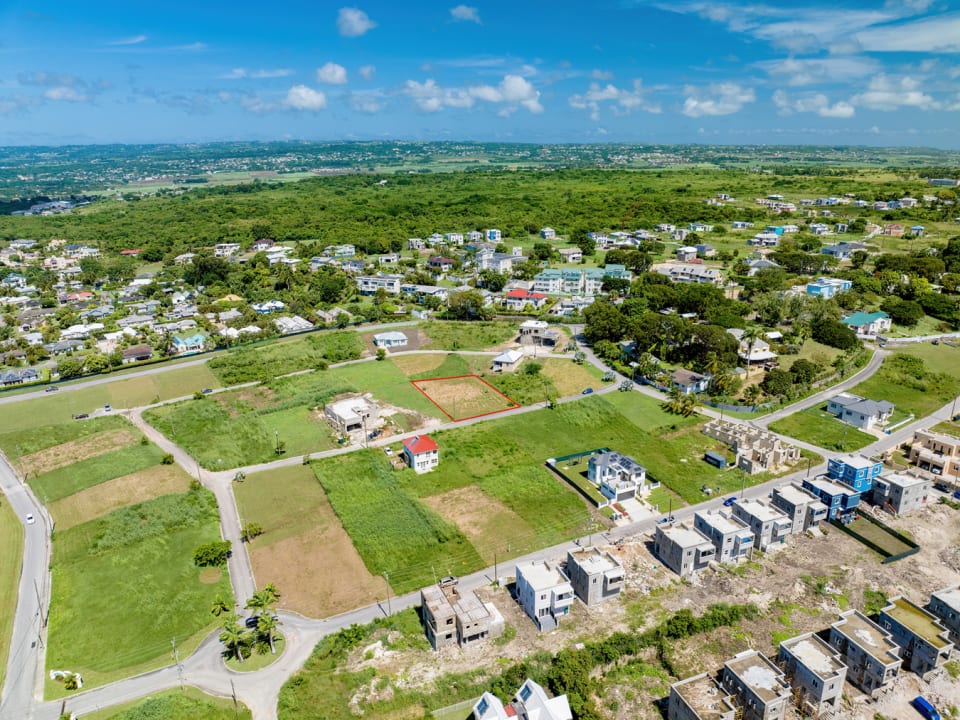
(945, 604)
(683, 549)
(869, 652)
(596, 576)
(352, 414)
(815, 672)
(757, 685)
(758, 450)
(732, 538)
(452, 617)
(701, 698)
(802, 507)
(923, 641)
(770, 527)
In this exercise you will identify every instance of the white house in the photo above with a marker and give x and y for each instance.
(544, 592)
(859, 412)
(421, 453)
(548, 233)
(620, 477)
(530, 702)
(390, 339)
(868, 324)
(757, 351)
(507, 361)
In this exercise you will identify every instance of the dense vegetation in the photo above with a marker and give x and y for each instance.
(264, 362)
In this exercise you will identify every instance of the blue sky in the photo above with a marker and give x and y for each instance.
(660, 71)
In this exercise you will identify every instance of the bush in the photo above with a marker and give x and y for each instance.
(167, 459)
(834, 333)
(212, 554)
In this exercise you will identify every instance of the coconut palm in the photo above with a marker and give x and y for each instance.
(233, 637)
(219, 606)
(750, 337)
(266, 625)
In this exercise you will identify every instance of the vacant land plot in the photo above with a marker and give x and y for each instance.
(174, 705)
(100, 499)
(416, 363)
(568, 378)
(266, 361)
(464, 397)
(818, 427)
(74, 451)
(917, 379)
(11, 540)
(147, 589)
(482, 519)
(299, 523)
(450, 335)
(891, 544)
(65, 481)
(18, 443)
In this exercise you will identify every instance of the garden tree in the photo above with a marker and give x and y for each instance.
(381, 354)
(207, 269)
(234, 637)
(212, 554)
(709, 346)
(219, 606)
(903, 312)
(820, 309)
(769, 308)
(680, 403)
(634, 260)
(607, 350)
(777, 383)
(750, 337)
(542, 251)
(579, 356)
(531, 368)
(858, 258)
(96, 363)
(942, 307)
(69, 367)
(587, 245)
(468, 305)
(804, 371)
(724, 383)
(833, 333)
(250, 531)
(492, 280)
(770, 279)
(617, 285)
(752, 394)
(603, 321)
(647, 366)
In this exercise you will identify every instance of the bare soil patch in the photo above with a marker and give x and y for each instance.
(414, 364)
(100, 499)
(484, 520)
(210, 575)
(320, 571)
(68, 453)
(464, 397)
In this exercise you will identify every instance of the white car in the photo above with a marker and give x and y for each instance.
(30, 519)
(388, 451)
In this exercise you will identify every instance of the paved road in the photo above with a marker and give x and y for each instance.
(27, 658)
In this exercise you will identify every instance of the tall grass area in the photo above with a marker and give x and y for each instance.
(11, 540)
(263, 362)
(65, 481)
(393, 532)
(456, 335)
(185, 704)
(15, 443)
(918, 379)
(823, 429)
(125, 584)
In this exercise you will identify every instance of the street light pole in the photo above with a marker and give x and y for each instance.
(386, 579)
(276, 434)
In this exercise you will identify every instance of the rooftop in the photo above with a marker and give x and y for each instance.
(950, 596)
(814, 654)
(593, 561)
(722, 523)
(917, 620)
(867, 635)
(755, 671)
(760, 510)
(792, 494)
(541, 574)
(703, 694)
(684, 536)
(903, 481)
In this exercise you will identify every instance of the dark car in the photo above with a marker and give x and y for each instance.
(52, 388)
(956, 494)
(207, 391)
(941, 486)
(81, 416)
(587, 391)
(729, 501)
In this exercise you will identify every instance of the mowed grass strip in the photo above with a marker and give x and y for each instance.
(65, 481)
(125, 584)
(100, 499)
(186, 704)
(11, 540)
(44, 461)
(17, 443)
(394, 532)
(299, 522)
(890, 544)
(818, 427)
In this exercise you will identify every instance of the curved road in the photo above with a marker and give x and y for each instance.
(204, 668)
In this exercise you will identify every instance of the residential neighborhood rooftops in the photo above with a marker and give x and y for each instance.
(816, 655)
(918, 621)
(869, 636)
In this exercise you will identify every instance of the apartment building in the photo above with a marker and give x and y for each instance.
(815, 672)
(869, 652)
(923, 640)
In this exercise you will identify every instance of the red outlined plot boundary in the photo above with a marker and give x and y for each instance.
(513, 404)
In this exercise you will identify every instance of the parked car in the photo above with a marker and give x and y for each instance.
(388, 451)
(52, 388)
(207, 391)
(587, 391)
(956, 494)
(925, 708)
(941, 486)
(106, 407)
(30, 519)
(80, 416)
(730, 501)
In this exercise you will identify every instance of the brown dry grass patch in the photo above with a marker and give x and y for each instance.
(568, 377)
(210, 575)
(319, 570)
(122, 491)
(415, 364)
(68, 453)
(464, 397)
(486, 522)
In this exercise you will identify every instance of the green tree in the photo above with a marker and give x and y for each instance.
(234, 637)
(381, 353)
(219, 606)
(69, 367)
(267, 625)
(213, 554)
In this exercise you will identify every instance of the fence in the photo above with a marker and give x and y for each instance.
(585, 488)
(887, 556)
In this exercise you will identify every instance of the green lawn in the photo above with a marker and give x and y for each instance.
(926, 326)
(23, 442)
(818, 427)
(125, 584)
(813, 351)
(916, 389)
(282, 501)
(452, 335)
(67, 480)
(11, 540)
(186, 704)
(890, 544)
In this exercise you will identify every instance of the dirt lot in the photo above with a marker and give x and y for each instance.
(481, 518)
(467, 397)
(74, 451)
(799, 588)
(119, 492)
(416, 339)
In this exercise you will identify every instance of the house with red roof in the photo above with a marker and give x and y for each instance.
(518, 299)
(421, 453)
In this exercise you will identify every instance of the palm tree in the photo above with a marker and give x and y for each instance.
(750, 336)
(219, 606)
(266, 624)
(258, 603)
(233, 636)
(272, 593)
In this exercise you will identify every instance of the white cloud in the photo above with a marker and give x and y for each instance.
(367, 71)
(886, 92)
(243, 73)
(135, 40)
(301, 97)
(621, 100)
(601, 75)
(46, 79)
(940, 33)
(799, 72)
(65, 94)
(430, 97)
(512, 92)
(814, 103)
(332, 74)
(716, 99)
(465, 13)
(352, 22)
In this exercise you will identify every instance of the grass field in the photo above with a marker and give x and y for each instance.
(823, 355)
(298, 522)
(912, 390)
(146, 590)
(818, 427)
(880, 537)
(11, 540)
(120, 393)
(266, 361)
(464, 397)
(67, 480)
(186, 704)
(17, 443)
(448, 335)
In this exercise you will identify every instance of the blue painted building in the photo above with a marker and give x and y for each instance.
(857, 471)
(828, 287)
(840, 499)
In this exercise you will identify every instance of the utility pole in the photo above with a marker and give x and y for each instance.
(233, 693)
(386, 578)
(176, 659)
(43, 617)
(276, 434)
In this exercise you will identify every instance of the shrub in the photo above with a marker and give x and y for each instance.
(167, 459)
(212, 554)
